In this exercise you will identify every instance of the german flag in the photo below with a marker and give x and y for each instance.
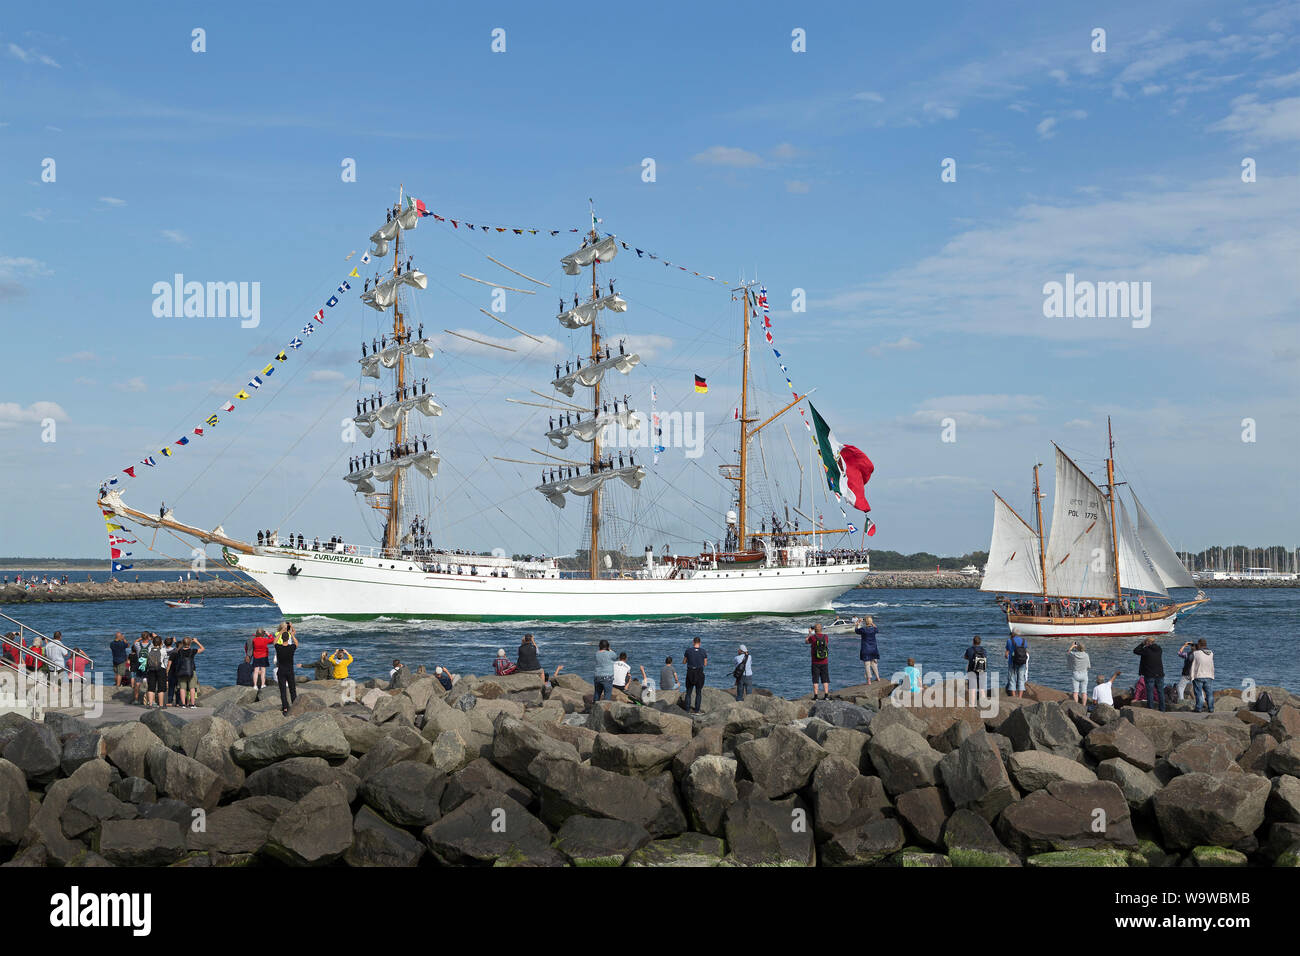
(701, 386)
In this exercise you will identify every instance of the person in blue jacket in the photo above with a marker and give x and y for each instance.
(868, 652)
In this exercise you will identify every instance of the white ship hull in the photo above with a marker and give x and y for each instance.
(1126, 626)
(357, 588)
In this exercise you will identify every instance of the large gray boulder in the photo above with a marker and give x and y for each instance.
(487, 828)
(408, 794)
(399, 743)
(140, 842)
(239, 827)
(841, 713)
(763, 832)
(312, 735)
(129, 745)
(517, 744)
(376, 842)
(477, 776)
(1121, 738)
(567, 787)
(866, 845)
(294, 778)
(782, 762)
(924, 810)
(637, 755)
(975, 777)
(618, 718)
(903, 759)
(1066, 816)
(686, 850)
(708, 791)
(1045, 727)
(1036, 769)
(596, 841)
(1284, 800)
(970, 841)
(1165, 729)
(88, 808)
(844, 799)
(36, 751)
(1206, 755)
(81, 748)
(15, 807)
(44, 826)
(1285, 758)
(166, 726)
(1200, 809)
(183, 778)
(317, 830)
(1137, 785)
(707, 741)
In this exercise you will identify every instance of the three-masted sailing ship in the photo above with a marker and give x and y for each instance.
(1094, 573)
(408, 576)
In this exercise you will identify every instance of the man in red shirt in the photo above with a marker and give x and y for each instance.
(821, 660)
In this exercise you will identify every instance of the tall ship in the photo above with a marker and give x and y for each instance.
(777, 570)
(1094, 573)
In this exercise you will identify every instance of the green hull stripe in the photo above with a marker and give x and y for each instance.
(557, 617)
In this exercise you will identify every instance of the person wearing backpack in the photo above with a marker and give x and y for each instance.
(743, 672)
(1080, 664)
(977, 672)
(155, 674)
(821, 660)
(187, 672)
(1017, 665)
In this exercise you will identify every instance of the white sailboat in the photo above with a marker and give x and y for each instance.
(406, 576)
(1075, 582)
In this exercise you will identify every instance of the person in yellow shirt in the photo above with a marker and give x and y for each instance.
(340, 659)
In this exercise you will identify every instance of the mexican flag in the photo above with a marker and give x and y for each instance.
(848, 469)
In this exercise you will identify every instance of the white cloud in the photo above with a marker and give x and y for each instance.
(1046, 126)
(1059, 75)
(728, 156)
(176, 236)
(326, 375)
(31, 56)
(86, 381)
(1151, 89)
(1277, 121)
(13, 414)
(867, 96)
(939, 111)
(82, 356)
(797, 186)
(112, 201)
(784, 152)
(40, 215)
(136, 384)
(904, 344)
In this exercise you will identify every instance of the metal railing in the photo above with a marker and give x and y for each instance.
(18, 661)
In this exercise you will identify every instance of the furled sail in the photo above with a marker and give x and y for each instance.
(385, 294)
(589, 375)
(425, 462)
(1136, 573)
(409, 219)
(585, 485)
(585, 314)
(1172, 572)
(386, 417)
(1079, 559)
(1013, 565)
(421, 348)
(587, 431)
(603, 251)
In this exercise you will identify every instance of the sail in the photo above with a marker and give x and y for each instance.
(602, 251)
(1172, 572)
(587, 431)
(425, 462)
(589, 375)
(1136, 573)
(387, 357)
(585, 485)
(1080, 562)
(585, 314)
(385, 294)
(1013, 564)
(386, 417)
(409, 219)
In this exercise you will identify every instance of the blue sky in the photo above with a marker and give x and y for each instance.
(817, 171)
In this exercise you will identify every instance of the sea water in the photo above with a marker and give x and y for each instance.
(1253, 631)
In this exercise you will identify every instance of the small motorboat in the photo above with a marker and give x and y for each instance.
(187, 603)
(840, 625)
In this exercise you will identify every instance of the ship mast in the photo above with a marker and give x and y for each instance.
(744, 418)
(1042, 555)
(1110, 486)
(594, 556)
(393, 528)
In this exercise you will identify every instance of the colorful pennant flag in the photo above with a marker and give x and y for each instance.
(701, 386)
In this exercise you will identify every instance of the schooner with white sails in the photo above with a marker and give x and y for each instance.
(408, 576)
(1094, 573)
